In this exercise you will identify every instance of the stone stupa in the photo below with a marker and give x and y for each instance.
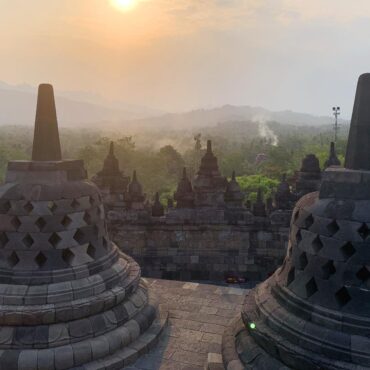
(69, 298)
(234, 196)
(184, 195)
(309, 176)
(111, 181)
(314, 312)
(332, 159)
(209, 186)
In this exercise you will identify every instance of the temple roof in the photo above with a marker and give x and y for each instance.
(310, 163)
(233, 190)
(209, 165)
(111, 164)
(135, 187)
(184, 185)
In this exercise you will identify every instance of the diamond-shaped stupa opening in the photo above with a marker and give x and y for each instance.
(342, 296)
(317, 244)
(364, 231)
(363, 274)
(41, 223)
(28, 241)
(347, 250)
(311, 287)
(302, 261)
(40, 259)
(328, 269)
(13, 259)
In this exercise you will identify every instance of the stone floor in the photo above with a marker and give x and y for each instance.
(198, 315)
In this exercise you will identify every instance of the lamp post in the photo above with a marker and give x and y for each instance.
(336, 113)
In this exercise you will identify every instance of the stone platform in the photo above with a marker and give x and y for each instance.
(198, 317)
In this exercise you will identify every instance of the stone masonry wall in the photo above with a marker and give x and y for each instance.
(203, 251)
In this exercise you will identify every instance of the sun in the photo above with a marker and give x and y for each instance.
(123, 5)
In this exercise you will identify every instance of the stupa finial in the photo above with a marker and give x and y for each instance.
(46, 143)
(358, 147)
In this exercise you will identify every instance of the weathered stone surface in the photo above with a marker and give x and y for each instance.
(204, 251)
(209, 185)
(46, 143)
(359, 137)
(64, 285)
(196, 313)
(111, 180)
(314, 311)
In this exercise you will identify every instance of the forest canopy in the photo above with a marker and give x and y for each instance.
(158, 157)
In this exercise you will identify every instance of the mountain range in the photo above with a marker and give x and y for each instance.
(80, 109)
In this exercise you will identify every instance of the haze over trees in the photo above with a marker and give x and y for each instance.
(258, 157)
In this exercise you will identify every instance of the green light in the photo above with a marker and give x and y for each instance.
(252, 325)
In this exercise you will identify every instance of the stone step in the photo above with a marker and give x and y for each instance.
(128, 355)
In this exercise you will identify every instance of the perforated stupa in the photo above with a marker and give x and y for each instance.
(69, 298)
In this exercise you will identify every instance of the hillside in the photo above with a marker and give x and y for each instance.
(81, 109)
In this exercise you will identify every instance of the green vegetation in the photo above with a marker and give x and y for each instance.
(250, 185)
(159, 157)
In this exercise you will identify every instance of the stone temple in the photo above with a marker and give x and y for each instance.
(314, 312)
(69, 298)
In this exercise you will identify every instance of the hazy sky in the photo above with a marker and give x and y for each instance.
(303, 55)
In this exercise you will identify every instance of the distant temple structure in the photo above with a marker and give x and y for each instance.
(110, 179)
(284, 198)
(333, 159)
(135, 196)
(234, 197)
(314, 312)
(70, 299)
(209, 185)
(208, 230)
(309, 176)
(184, 195)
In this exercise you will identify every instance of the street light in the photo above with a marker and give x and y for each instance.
(336, 113)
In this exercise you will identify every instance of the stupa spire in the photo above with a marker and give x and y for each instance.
(358, 147)
(333, 159)
(46, 143)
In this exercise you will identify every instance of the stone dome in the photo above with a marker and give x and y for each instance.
(310, 163)
(314, 312)
(233, 193)
(69, 297)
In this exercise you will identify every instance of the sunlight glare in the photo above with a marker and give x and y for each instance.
(123, 5)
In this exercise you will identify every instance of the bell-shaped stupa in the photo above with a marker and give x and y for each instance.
(111, 180)
(184, 195)
(69, 298)
(314, 311)
(209, 186)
